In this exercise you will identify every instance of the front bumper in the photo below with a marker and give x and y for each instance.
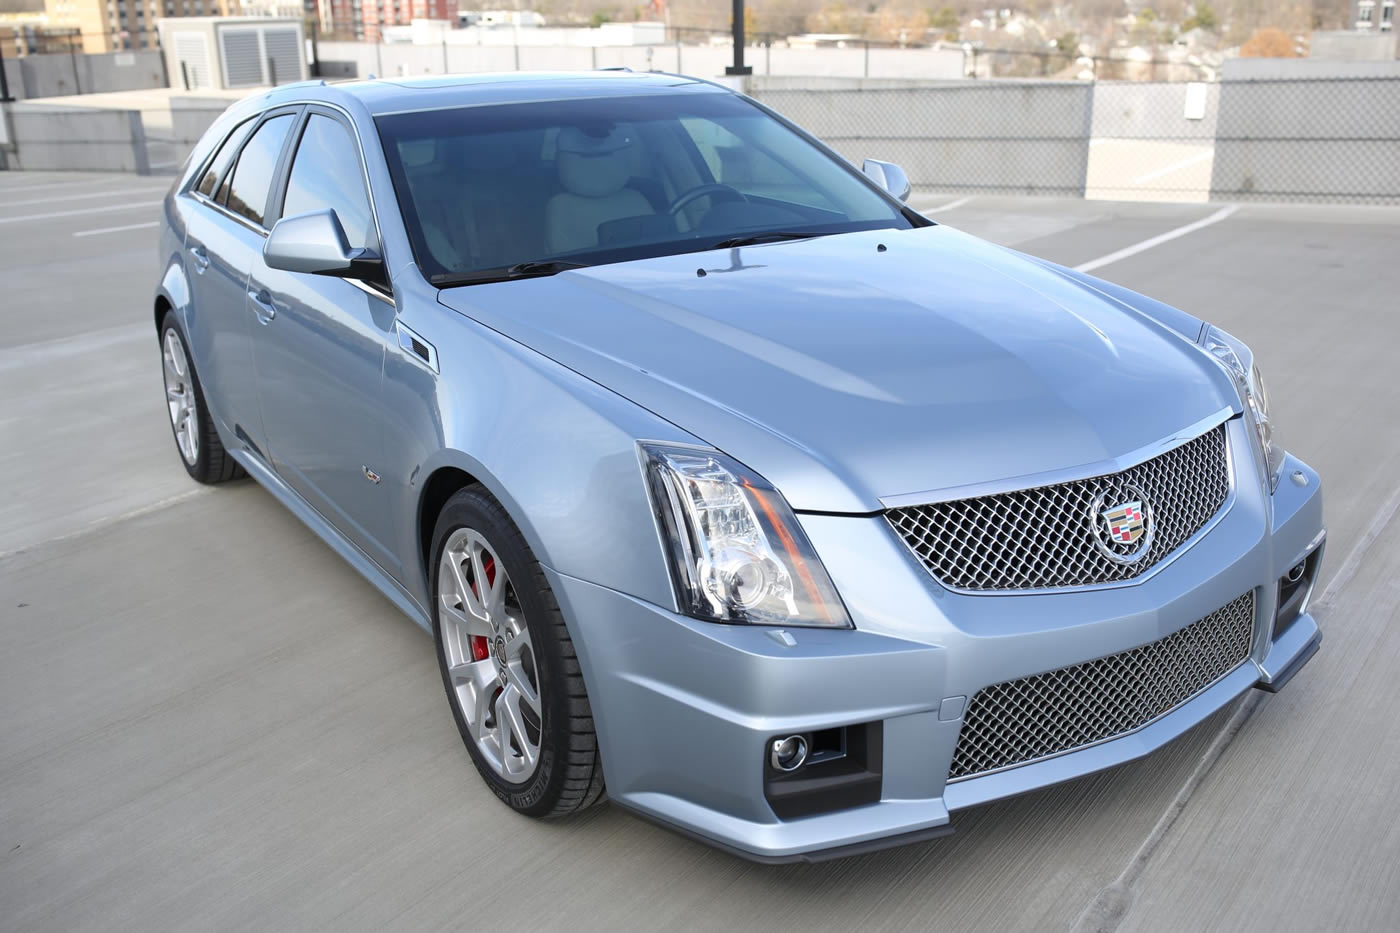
(685, 709)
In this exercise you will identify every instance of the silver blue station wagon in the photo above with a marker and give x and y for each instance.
(728, 485)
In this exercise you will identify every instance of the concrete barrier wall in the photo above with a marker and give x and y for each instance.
(1333, 139)
(75, 139)
(1137, 110)
(360, 59)
(57, 75)
(1009, 137)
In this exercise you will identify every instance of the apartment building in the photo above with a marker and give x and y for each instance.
(110, 25)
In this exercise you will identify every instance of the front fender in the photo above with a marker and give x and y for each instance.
(556, 450)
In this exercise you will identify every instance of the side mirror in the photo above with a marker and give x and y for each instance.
(315, 243)
(888, 176)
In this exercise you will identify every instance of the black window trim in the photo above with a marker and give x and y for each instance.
(278, 166)
(192, 186)
(278, 190)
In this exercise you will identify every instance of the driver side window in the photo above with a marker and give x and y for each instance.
(326, 173)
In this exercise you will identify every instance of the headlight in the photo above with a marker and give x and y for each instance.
(736, 552)
(1239, 361)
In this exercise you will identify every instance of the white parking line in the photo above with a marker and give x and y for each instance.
(86, 210)
(57, 184)
(1175, 166)
(950, 205)
(141, 226)
(1157, 240)
(86, 196)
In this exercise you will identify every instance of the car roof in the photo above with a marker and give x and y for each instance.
(437, 92)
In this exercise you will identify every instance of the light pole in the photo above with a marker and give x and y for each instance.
(738, 68)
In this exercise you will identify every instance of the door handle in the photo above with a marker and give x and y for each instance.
(200, 257)
(262, 304)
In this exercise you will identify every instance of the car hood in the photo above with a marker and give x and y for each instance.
(870, 366)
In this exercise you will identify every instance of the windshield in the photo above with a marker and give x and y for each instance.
(557, 184)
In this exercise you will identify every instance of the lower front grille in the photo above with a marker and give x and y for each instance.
(1018, 721)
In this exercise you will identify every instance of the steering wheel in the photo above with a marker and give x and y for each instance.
(718, 191)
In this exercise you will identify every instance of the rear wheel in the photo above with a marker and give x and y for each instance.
(512, 677)
(196, 440)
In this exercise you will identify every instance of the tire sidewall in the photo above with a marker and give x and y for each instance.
(199, 470)
(474, 508)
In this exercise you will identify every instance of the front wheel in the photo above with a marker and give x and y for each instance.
(512, 677)
(196, 439)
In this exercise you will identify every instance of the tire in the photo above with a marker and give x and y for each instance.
(196, 440)
(526, 645)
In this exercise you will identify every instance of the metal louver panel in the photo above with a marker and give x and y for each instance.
(242, 58)
(283, 54)
(192, 56)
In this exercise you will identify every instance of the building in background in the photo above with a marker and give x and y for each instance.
(366, 19)
(1378, 15)
(110, 25)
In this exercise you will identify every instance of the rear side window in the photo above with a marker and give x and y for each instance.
(227, 151)
(252, 176)
(326, 174)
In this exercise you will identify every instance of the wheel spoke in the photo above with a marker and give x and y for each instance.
(467, 624)
(490, 587)
(508, 712)
(470, 601)
(518, 681)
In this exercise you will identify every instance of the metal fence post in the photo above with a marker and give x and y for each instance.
(4, 80)
(444, 53)
(77, 82)
(679, 69)
(867, 58)
(378, 58)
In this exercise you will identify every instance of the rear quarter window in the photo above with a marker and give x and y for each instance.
(219, 164)
(252, 176)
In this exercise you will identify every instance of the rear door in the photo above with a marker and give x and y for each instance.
(225, 234)
(321, 345)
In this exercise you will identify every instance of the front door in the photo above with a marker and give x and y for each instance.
(320, 348)
(223, 239)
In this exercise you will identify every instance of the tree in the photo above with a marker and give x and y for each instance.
(1269, 43)
(945, 20)
(1203, 18)
(1068, 45)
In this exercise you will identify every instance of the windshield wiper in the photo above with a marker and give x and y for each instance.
(521, 270)
(763, 237)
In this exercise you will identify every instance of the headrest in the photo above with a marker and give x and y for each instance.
(596, 161)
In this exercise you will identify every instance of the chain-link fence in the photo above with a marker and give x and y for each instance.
(1330, 139)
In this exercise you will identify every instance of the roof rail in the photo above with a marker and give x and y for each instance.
(615, 68)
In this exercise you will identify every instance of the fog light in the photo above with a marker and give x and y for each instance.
(788, 754)
(1295, 574)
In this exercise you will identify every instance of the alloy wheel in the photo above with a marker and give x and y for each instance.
(489, 656)
(180, 396)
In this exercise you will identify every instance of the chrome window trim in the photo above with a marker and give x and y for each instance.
(372, 291)
(1153, 450)
(220, 209)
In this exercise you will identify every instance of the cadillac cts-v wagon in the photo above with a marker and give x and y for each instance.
(723, 479)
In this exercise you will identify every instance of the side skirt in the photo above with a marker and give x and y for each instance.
(327, 532)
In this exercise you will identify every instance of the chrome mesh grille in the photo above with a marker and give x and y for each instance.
(1045, 537)
(1021, 720)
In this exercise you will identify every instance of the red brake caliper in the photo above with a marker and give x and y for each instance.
(480, 648)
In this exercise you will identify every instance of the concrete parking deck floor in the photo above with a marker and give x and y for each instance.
(209, 721)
